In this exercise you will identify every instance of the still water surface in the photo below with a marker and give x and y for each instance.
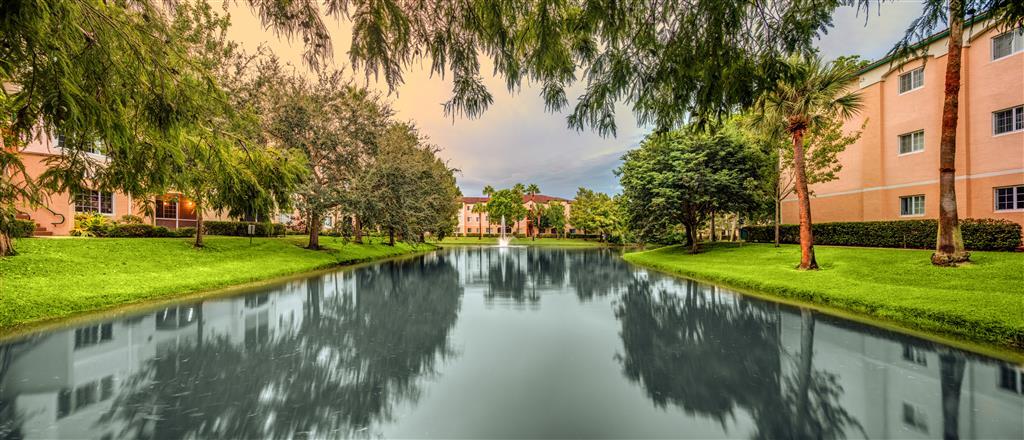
(489, 343)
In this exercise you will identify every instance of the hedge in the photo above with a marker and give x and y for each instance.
(979, 234)
(241, 229)
(22, 228)
(143, 230)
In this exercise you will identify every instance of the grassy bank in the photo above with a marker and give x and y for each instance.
(982, 301)
(56, 278)
(520, 241)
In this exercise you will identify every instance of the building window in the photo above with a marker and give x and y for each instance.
(1009, 198)
(94, 201)
(167, 208)
(915, 355)
(914, 417)
(1008, 43)
(1010, 379)
(912, 142)
(912, 205)
(912, 80)
(92, 335)
(1009, 120)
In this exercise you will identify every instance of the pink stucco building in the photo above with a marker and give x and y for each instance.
(57, 216)
(891, 172)
(471, 223)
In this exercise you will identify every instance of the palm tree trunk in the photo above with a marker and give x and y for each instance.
(806, 362)
(949, 245)
(951, 371)
(807, 260)
(314, 232)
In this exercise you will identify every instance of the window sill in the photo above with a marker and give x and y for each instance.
(1007, 133)
(911, 215)
(898, 93)
(1004, 57)
(910, 153)
(1007, 211)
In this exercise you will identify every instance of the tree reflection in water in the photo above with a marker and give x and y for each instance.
(353, 358)
(598, 273)
(710, 353)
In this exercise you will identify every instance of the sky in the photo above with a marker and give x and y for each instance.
(516, 140)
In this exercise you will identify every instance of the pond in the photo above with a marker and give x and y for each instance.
(482, 342)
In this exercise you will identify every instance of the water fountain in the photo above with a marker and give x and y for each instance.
(503, 238)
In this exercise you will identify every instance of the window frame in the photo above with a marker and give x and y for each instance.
(1015, 193)
(1014, 48)
(1014, 112)
(161, 212)
(911, 197)
(910, 74)
(99, 202)
(911, 136)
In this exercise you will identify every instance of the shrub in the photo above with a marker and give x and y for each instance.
(131, 230)
(91, 225)
(183, 232)
(129, 219)
(240, 229)
(22, 228)
(980, 235)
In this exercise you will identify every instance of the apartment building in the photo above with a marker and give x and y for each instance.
(891, 172)
(471, 223)
(57, 216)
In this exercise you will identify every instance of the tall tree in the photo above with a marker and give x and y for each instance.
(336, 125)
(1007, 14)
(683, 177)
(553, 217)
(810, 94)
(109, 72)
(507, 204)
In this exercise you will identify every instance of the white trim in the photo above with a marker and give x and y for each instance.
(906, 185)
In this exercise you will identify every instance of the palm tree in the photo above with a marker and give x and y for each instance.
(480, 209)
(532, 190)
(809, 94)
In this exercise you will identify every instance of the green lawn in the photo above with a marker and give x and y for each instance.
(520, 241)
(982, 301)
(56, 278)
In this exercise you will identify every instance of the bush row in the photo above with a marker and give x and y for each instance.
(22, 228)
(143, 230)
(979, 234)
(241, 229)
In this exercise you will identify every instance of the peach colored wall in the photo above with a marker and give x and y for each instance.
(875, 175)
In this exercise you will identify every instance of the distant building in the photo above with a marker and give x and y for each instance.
(471, 223)
(892, 171)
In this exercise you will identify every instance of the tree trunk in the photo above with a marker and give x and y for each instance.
(480, 230)
(712, 226)
(391, 236)
(358, 229)
(691, 237)
(951, 374)
(949, 245)
(6, 246)
(314, 232)
(807, 261)
(199, 226)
